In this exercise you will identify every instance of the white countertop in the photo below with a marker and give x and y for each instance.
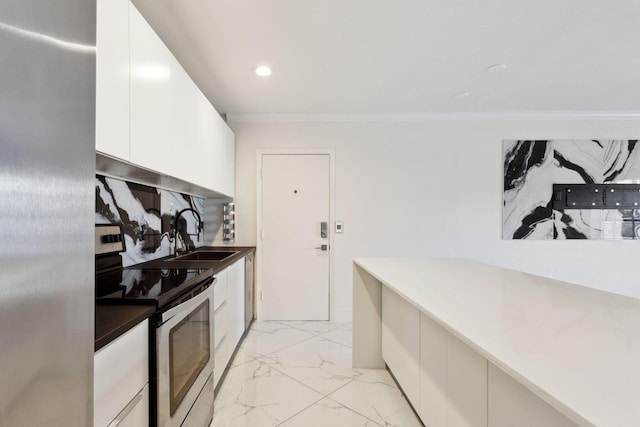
(577, 348)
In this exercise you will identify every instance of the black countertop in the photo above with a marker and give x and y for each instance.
(114, 320)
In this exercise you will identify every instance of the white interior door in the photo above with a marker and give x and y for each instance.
(295, 265)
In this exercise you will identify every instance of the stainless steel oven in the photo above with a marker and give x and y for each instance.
(184, 338)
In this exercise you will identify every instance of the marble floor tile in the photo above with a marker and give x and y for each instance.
(316, 327)
(328, 412)
(343, 335)
(241, 357)
(269, 326)
(299, 374)
(319, 363)
(253, 394)
(260, 341)
(375, 395)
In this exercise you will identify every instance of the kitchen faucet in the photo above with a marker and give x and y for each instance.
(199, 228)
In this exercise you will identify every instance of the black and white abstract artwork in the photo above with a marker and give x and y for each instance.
(146, 215)
(531, 167)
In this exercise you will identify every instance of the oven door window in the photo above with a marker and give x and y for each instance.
(189, 352)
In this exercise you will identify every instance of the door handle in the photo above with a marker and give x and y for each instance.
(323, 247)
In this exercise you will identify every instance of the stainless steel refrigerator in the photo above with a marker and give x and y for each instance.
(47, 167)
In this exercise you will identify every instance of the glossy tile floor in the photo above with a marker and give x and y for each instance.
(299, 374)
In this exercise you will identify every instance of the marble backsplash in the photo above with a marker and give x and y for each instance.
(531, 167)
(146, 214)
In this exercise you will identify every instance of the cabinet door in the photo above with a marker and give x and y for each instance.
(433, 373)
(216, 142)
(213, 149)
(112, 78)
(225, 157)
(249, 291)
(221, 359)
(204, 169)
(512, 404)
(235, 289)
(220, 304)
(466, 385)
(401, 342)
(121, 370)
(162, 100)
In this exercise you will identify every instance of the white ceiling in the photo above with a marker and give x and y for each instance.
(406, 56)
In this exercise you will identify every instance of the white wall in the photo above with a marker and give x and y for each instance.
(433, 188)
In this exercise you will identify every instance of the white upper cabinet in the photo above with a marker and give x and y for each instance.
(203, 169)
(216, 143)
(112, 78)
(224, 158)
(162, 101)
(226, 154)
(149, 113)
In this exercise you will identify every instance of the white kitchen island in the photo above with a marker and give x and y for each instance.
(478, 345)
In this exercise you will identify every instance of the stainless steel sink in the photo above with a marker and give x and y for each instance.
(205, 256)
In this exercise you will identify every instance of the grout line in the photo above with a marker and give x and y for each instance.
(335, 327)
(300, 411)
(355, 412)
(348, 407)
(283, 372)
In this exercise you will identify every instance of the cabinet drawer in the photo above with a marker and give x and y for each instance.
(220, 292)
(220, 323)
(136, 413)
(121, 370)
(221, 359)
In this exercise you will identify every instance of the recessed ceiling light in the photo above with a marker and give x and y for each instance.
(461, 95)
(263, 71)
(495, 68)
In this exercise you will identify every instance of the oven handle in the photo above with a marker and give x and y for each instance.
(189, 304)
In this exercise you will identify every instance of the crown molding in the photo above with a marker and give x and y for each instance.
(434, 117)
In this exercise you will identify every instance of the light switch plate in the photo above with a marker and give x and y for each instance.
(339, 227)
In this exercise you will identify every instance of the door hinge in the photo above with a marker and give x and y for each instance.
(260, 295)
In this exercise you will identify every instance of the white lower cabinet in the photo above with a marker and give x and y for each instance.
(449, 383)
(401, 342)
(235, 297)
(433, 373)
(121, 377)
(228, 296)
(512, 404)
(221, 359)
(453, 379)
(136, 413)
(221, 304)
(466, 385)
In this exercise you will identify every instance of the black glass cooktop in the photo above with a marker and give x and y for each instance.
(146, 286)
